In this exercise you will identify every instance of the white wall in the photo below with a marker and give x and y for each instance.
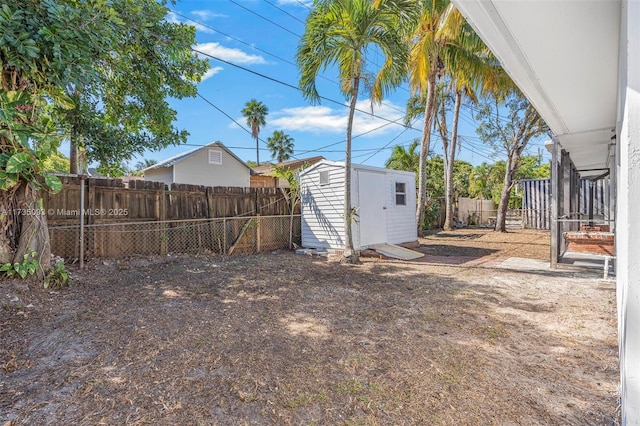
(628, 219)
(196, 170)
(161, 174)
(322, 208)
(401, 220)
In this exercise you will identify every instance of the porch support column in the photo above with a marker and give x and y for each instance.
(628, 217)
(554, 226)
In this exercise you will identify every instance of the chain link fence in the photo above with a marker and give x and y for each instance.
(237, 235)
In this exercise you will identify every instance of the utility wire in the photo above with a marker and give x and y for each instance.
(265, 52)
(284, 11)
(291, 86)
(265, 18)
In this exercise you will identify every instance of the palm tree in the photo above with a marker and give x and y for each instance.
(402, 158)
(444, 44)
(342, 32)
(433, 46)
(281, 146)
(474, 70)
(145, 163)
(255, 113)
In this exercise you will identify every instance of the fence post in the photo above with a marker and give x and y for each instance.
(81, 251)
(91, 205)
(162, 217)
(211, 212)
(224, 236)
(258, 233)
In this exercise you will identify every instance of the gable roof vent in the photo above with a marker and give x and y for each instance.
(215, 156)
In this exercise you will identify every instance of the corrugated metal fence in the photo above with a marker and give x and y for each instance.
(536, 201)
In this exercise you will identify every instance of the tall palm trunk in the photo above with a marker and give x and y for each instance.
(450, 162)
(349, 252)
(257, 152)
(73, 154)
(74, 134)
(425, 143)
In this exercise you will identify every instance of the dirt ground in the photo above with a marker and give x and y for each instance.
(452, 338)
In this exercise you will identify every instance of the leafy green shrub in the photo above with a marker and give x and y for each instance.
(57, 277)
(28, 266)
(431, 215)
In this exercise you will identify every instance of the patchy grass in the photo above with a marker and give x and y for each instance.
(285, 339)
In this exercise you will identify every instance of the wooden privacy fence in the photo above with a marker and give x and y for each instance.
(239, 235)
(141, 217)
(114, 200)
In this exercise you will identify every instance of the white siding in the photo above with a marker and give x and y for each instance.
(197, 170)
(627, 223)
(401, 220)
(322, 219)
(322, 206)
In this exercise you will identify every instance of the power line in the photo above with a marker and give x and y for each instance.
(291, 86)
(284, 11)
(264, 51)
(265, 18)
(233, 38)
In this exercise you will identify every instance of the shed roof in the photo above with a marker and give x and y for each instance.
(293, 165)
(355, 166)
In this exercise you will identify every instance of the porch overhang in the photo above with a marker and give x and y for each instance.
(563, 55)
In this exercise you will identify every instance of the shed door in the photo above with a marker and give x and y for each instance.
(372, 212)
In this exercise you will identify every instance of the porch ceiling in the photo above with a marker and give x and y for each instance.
(564, 57)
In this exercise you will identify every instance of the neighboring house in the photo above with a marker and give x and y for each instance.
(264, 176)
(384, 199)
(211, 165)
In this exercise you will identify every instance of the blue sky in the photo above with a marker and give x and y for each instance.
(260, 37)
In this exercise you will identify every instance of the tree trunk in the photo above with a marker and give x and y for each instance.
(501, 217)
(29, 228)
(257, 152)
(350, 255)
(7, 228)
(448, 184)
(73, 152)
(424, 151)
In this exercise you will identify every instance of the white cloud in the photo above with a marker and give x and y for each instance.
(206, 15)
(211, 72)
(322, 119)
(175, 19)
(236, 56)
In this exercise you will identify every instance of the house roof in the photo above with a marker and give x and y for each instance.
(267, 169)
(564, 57)
(180, 157)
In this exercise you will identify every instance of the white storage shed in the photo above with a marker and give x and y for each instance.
(385, 200)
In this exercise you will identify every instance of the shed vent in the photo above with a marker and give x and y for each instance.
(324, 178)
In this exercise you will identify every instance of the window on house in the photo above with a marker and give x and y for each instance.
(324, 178)
(401, 194)
(215, 156)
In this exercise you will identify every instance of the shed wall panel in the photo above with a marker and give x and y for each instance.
(322, 218)
(401, 219)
